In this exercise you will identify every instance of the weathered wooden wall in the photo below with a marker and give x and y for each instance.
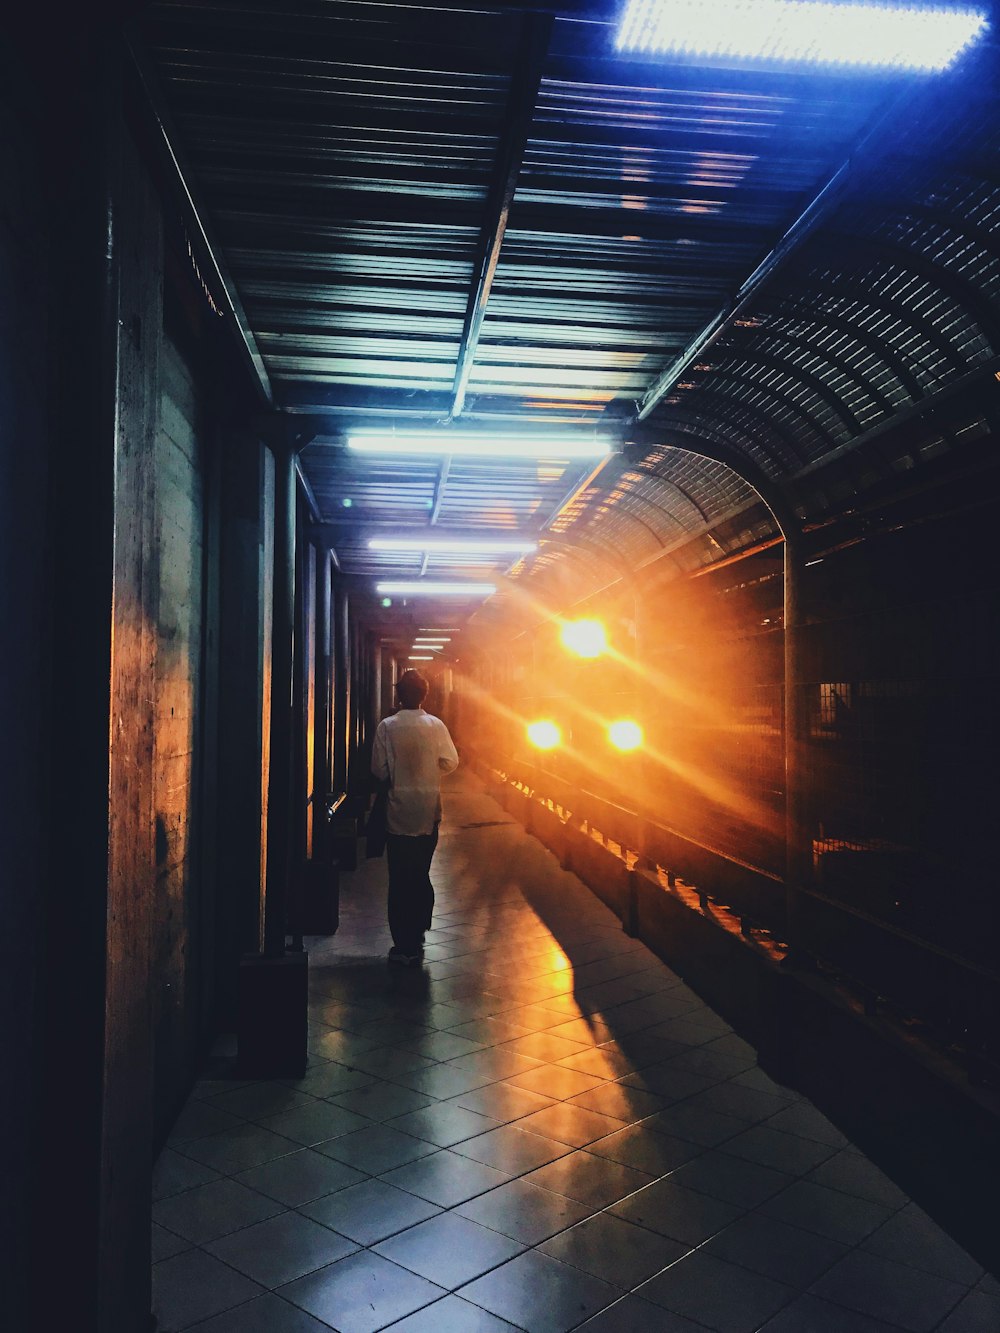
(181, 953)
(126, 1141)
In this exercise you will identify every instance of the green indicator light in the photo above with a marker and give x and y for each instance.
(387, 601)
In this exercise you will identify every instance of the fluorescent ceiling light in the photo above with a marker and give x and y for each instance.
(425, 586)
(815, 32)
(437, 629)
(419, 657)
(480, 445)
(436, 642)
(473, 546)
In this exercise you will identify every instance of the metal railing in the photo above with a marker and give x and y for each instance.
(886, 968)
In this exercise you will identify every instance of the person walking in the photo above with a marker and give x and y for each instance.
(412, 751)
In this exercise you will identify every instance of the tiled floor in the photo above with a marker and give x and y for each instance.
(545, 1129)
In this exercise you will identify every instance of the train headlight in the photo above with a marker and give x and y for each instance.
(586, 638)
(625, 734)
(544, 735)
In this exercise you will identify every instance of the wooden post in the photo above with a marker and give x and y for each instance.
(341, 686)
(798, 843)
(274, 984)
(322, 777)
(280, 770)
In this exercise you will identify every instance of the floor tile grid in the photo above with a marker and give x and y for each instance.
(509, 998)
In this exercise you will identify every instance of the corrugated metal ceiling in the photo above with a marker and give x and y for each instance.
(350, 158)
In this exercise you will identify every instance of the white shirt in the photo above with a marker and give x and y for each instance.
(413, 750)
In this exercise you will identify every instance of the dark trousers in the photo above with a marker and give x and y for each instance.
(411, 894)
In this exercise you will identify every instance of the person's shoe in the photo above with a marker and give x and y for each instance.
(397, 955)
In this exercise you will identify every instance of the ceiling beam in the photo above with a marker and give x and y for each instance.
(335, 530)
(526, 77)
(205, 249)
(439, 485)
(309, 396)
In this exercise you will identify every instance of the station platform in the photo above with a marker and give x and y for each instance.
(542, 1129)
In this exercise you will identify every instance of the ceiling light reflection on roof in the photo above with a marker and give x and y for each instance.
(481, 444)
(470, 546)
(802, 31)
(427, 587)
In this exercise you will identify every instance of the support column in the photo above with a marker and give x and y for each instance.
(356, 706)
(322, 777)
(280, 771)
(798, 841)
(341, 686)
(376, 689)
(387, 678)
(274, 983)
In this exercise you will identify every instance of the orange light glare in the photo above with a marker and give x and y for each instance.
(586, 638)
(625, 734)
(544, 735)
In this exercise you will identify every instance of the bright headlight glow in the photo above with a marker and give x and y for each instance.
(586, 638)
(482, 445)
(473, 546)
(625, 734)
(814, 32)
(543, 734)
(427, 588)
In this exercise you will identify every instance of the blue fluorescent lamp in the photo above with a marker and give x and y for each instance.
(428, 588)
(470, 546)
(479, 445)
(812, 32)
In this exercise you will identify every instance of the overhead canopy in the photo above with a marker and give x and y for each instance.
(484, 215)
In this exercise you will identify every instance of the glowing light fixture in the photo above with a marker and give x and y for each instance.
(625, 734)
(543, 734)
(387, 601)
(419, 657)
(586, 638)
(481, 445)
(427, 588)
(815, 32)
(347, 502)
(472, 546)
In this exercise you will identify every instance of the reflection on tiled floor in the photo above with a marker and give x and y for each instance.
(545, 1129)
